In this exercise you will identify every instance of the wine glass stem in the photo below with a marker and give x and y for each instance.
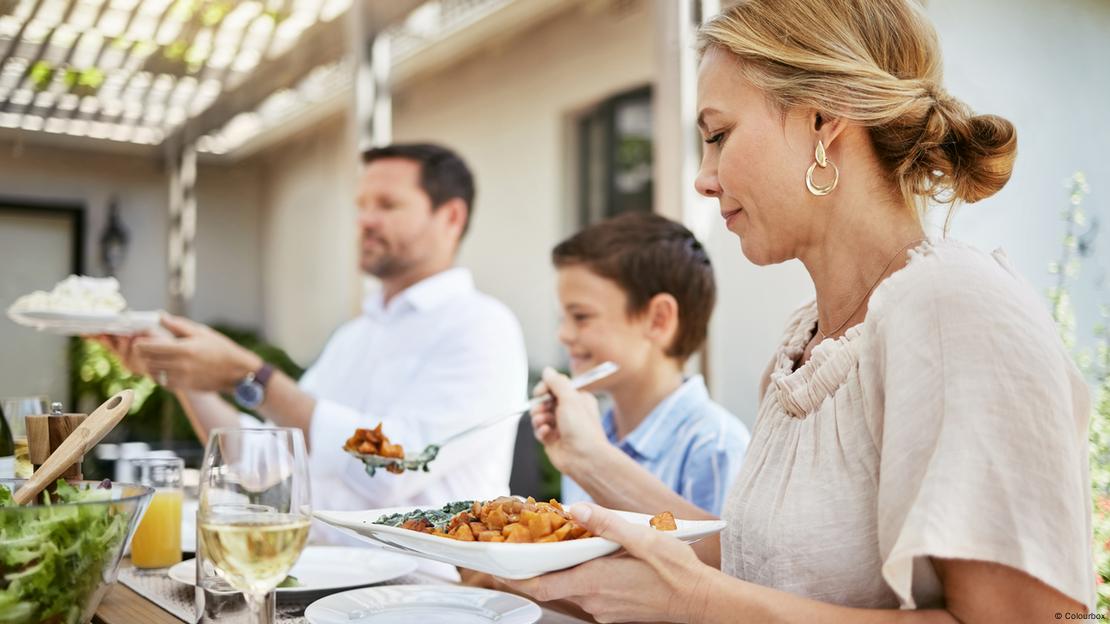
(260, 611)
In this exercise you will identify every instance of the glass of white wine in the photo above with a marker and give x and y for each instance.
(254, 509)
(17, 409)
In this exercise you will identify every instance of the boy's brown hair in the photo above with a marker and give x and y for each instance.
(647, 254)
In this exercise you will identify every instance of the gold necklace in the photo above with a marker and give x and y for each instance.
(867, 294)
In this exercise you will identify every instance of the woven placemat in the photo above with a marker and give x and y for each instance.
(177, 599)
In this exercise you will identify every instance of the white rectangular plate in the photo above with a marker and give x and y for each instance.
(511, 561)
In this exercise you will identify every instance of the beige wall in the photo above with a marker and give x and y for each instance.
(275, 237)
(1042, 65)
(1054, 91)
(308, 250)
(507, 110)
(228, 213)
(228, 288)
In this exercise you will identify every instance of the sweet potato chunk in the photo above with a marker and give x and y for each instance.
(463, 533)
(517, 533)
(664, 522)
(496, 519)
(373, 442)
(507, 519)
(540, 526)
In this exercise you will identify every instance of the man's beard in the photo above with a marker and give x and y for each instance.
(384, 265)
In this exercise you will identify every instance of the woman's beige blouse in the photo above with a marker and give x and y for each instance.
(950, 423)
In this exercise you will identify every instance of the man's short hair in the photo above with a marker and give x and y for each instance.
(646, 254)
(443, 173)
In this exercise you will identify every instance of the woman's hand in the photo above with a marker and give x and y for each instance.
(570, 426)
(658, 578)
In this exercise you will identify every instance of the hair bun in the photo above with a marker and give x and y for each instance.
(960, 155)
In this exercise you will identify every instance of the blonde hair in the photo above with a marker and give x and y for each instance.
(876, 63)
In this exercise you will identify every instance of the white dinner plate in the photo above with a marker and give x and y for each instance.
(505, 560)
(427, 604)
(327, 568)
(84, 323)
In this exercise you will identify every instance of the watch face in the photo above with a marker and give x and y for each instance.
(249, 394)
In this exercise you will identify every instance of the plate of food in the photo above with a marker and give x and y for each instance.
(81, 305)
(508, 537)
(326, 568)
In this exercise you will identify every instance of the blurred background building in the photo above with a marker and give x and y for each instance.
(225, 134)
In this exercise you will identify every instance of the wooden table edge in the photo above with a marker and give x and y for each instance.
(123, 605)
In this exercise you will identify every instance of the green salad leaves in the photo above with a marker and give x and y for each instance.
(52, 556)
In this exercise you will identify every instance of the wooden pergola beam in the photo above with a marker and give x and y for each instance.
(320, 44)
(377, 15)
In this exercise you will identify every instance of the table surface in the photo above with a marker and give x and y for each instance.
(123, 605)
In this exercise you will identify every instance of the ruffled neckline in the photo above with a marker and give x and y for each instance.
(801, 392)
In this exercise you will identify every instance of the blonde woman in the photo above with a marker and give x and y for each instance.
(920, 449)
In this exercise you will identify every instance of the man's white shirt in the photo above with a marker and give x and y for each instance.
(438, 358)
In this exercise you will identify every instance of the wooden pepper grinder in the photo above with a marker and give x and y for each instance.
(46, 432)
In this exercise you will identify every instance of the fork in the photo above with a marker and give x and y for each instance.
(420, 461)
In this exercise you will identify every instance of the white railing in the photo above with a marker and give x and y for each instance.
(435, 20)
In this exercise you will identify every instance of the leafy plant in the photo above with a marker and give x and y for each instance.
(155, 416)
(1095, 363)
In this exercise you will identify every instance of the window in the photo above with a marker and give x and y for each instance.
(615, 145)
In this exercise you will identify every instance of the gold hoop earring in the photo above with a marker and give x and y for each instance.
(821, 160)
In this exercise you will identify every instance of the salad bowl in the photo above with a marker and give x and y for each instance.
(58, 559)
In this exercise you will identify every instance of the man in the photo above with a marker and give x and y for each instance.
(429, 356)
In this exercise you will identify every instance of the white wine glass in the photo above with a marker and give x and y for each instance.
(254, 508)
(17, 409)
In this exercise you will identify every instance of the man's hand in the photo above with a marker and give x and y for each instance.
(124, 349)
(199, 358)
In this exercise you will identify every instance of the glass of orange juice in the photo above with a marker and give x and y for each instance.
(157, 540)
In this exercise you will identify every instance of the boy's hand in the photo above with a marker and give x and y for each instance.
(569, 427)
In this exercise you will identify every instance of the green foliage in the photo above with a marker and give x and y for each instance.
(1095, 363)
(215, 12)
(551, 484)
(41, 75)
(273, 354)
(83, 81)
(155, 416)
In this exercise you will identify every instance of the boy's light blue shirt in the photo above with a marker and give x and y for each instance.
(690, 443)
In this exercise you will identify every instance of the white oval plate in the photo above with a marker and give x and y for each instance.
(327, 568)
(85, 323)
(511, 561)
(427, 604)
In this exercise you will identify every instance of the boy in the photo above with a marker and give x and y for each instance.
(638, 289)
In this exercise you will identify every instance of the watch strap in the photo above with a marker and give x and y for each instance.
(263, 374)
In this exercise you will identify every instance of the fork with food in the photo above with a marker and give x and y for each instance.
(377, 451)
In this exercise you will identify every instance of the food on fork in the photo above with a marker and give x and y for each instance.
(75, 294)
(374, 442)
(505, 519)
